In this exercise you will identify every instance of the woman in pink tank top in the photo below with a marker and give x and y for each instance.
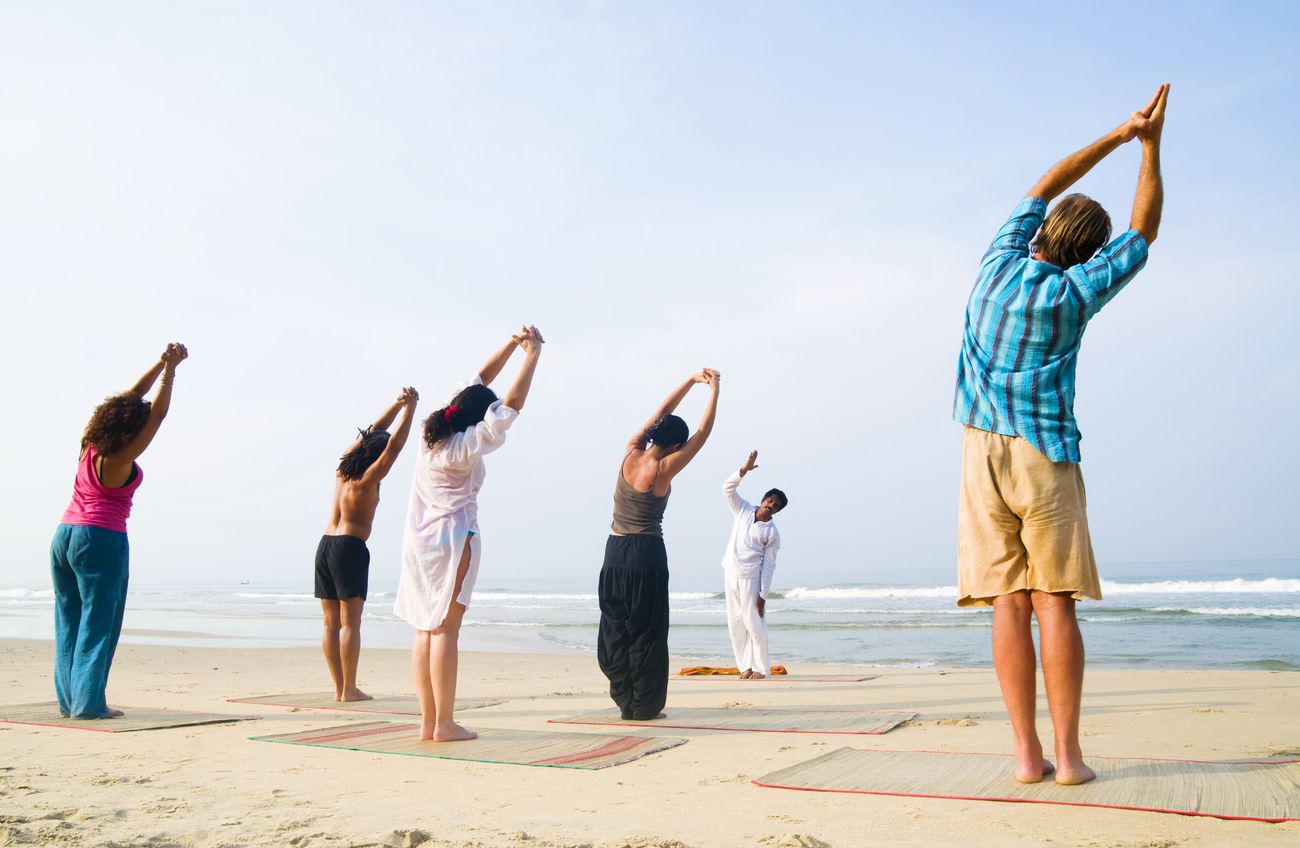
(89, 554)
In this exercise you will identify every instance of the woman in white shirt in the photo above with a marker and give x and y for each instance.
(440, 548)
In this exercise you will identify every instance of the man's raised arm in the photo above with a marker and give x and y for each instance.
(1149, 200)
(1072, 168)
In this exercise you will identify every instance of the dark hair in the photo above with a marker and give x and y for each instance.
(470, 407)
(778, 494)
(668, 431)
(362, 455)
(1073, 231)
(115, 422)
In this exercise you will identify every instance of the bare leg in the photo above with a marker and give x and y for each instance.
(350, 647)
(444, 661)
(1062, 650)
(329, 644)
(423, 683)
(1016, 666)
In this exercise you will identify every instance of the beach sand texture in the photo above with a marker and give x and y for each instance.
(212, 786)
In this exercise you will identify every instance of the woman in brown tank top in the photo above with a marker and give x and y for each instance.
(632, 646)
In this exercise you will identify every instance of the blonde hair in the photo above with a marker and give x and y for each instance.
(1073, 231)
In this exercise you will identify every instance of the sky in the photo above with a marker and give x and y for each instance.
(327, 201)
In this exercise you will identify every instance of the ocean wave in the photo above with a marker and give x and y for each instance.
(1268, 585)
(859, 592)
(1266, 612)
(279, 596)
(26, 594)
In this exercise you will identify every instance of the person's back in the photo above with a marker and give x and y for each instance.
(632, 646)
(1023, 541)
(342, 558)
(355, 502)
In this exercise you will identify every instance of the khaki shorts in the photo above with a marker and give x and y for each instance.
(1022, 523)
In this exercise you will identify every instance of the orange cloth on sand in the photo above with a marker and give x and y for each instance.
(713, 669)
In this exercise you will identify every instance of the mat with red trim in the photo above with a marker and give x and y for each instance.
(46, 714)
(754, 720)
(516, 747)
(1264, 790)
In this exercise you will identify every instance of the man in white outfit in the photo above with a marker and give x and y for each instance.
(749, 562)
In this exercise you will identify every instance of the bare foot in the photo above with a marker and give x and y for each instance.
(454, 733)
(354, 695)
(1048, 768)
(1030, 766)
(746, 674)
(757, 676)
(426, 732)
(1073, 775)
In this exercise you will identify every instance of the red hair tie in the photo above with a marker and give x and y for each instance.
(449, 412)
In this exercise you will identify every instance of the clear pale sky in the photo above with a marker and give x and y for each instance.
(328, 201)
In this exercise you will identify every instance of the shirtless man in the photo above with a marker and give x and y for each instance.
(342, 559)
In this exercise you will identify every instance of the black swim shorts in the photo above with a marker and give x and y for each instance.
(342, 568)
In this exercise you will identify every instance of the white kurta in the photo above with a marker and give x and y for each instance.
(442, 513)
(749, 563)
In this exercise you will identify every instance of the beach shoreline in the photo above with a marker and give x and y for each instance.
(211, 786)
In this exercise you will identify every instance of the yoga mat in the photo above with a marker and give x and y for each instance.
(388, 704)
(515, 747)
(782, 678)
(1260, 790)
(757, 720)
(46, 714)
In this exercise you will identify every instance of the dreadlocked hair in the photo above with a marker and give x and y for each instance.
(115, 422)
(668, 430)
(466, 409)
(370, 444)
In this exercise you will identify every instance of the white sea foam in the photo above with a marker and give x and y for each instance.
(26, 594)
(1269, 585)
(1266, 612)
(858, 592)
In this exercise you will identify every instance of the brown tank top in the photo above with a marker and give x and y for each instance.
(637, 513)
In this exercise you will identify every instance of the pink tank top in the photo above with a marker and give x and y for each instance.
(96, 505)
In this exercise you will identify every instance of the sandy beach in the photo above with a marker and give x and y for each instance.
(212, 786)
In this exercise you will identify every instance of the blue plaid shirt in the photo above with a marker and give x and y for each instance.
(1024, 323)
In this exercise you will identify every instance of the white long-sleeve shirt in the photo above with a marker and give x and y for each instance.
(751, 550)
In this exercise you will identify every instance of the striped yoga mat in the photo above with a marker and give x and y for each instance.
(46, 714)
(1258, 790)
(757, 720)
(388, 704)
(517, 747)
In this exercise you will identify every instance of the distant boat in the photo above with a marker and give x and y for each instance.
(243, 582)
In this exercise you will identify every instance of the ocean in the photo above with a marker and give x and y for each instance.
(1165, 615)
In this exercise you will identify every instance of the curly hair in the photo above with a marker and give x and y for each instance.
(668, 431)
(115, 422)
(362, 455)
(465, 410)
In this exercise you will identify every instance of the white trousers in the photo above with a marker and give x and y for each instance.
(748, 629)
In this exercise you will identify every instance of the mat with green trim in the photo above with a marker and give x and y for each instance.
(515, 747)
(1262, 790)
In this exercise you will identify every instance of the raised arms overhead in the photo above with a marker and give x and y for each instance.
(530, 339)
(680, 458)
(405, 404)
(1072, 168)
(174, 355)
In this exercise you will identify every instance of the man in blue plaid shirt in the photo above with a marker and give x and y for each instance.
(1023, 542)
